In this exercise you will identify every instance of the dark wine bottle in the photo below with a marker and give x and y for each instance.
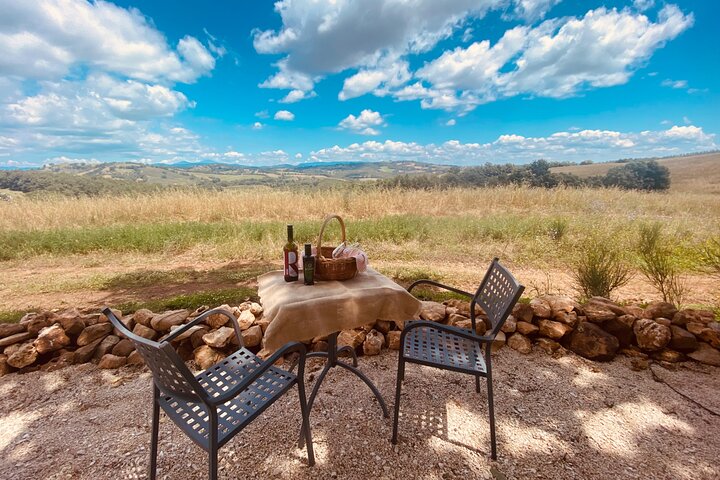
(290, 252)
(308, 265)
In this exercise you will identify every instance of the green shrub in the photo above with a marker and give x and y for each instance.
(658, 264)
(711, 255)
(600, 268)
(558, 228)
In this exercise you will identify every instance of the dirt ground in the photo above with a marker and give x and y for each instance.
(564, 418)
(72, 282)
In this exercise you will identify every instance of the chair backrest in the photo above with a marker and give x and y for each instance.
(170, 373)
(497, 295)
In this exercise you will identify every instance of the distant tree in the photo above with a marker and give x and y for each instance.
(639, 175)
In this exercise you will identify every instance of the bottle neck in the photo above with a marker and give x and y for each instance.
(290, 234)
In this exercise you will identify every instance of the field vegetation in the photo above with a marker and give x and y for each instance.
(189, 246)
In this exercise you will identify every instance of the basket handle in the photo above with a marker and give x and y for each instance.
(322, 230)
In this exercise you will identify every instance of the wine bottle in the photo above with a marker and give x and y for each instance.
(308, 265)
(290, 252)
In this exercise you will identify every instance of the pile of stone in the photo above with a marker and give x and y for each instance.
(598, 330)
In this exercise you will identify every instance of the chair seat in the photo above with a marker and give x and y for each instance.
(434, 347)
(192, 417)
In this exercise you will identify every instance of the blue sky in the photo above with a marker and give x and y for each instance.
(459, 81)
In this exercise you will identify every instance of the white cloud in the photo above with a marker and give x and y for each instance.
(558, 58)
(686, 120)
(377, 80)
(674, 83)
(643, 5)
(364, 124)
(297, 95)
(451, 122)
(531, 10)
(257, 126)
(284, 115)
(45, 39)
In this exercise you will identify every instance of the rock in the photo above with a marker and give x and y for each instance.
(433, 311)
(351, 338)
(523, 312)
(187, 333)
(547, 345)
(498, 342)
(393, 340)
(73, 326)
(608, 304)
(135, 358)
(541, 308)
(694, 327)
(51, 339)
(633, 351)
(590, 341)
(145, 332)
(217, 320)
(196, 338)
(682, 340)
(185, 350)
(106, 346)
(663, 321)
(24, 356)
(462, 307)
(163, 321)
(668, 355)
(455, 318)
(598, 313)
(104, 319)
(34, 322)
(252, 337)
(373, 342)
(520, 342)
(711, 336)
(639, 364)
(111, 361)
(246, 319)
(320, 346)
(7, 329)
(94, 332)
(263, 323)
(622, 328)
(219, 338)
(559, 304)
(570, 319)
(143, 317)
(4, 367)
(552, 329)
(527, 328)
(206, 356)
(480, 327)
(16, 338)
(510, 325)
(128, 322)
(84, 354)
(383, 326)
(123, 348)
(660, 309)
(650, 335)
(706, 354)
(256, 309)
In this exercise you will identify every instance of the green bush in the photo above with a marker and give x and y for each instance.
(600, 268)
(658, 263)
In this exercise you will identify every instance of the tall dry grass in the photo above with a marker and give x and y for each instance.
(700, 210)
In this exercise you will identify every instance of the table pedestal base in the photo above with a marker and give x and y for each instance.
(332, 361)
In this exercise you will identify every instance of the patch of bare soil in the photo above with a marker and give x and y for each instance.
(564, 418)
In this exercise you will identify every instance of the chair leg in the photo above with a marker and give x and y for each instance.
(477, 383)
(213, 454)
(306, 422)
(491, 408)
(154, 435)
(400, 377)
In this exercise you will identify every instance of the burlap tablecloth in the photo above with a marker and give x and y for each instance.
(299, 312)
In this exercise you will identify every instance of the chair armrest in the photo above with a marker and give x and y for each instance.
(257, 373)
(460, 332)
(200, 318)
(439, 285)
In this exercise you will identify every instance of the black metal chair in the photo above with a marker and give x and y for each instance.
(216, 404)
(457, 349)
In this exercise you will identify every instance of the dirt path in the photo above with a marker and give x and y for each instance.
(561, 418)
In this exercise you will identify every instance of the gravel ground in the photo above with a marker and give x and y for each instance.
(557, 418)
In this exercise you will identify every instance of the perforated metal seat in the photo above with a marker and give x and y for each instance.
(457, 349)
(214, 405)
(193, 418)
(434, 347)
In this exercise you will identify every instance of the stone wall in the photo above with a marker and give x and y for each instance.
(598, 330)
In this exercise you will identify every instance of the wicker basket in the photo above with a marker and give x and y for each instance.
(328, 268)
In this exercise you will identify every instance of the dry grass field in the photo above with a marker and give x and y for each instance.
(692, 174)
(195, 246)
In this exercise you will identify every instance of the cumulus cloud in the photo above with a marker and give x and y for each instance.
(297, 95)
(451, 122)
(364, 124)
(284, 115)
(257, 126)
(531, 10)
(558, 58)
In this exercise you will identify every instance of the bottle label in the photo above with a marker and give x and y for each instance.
(291, 268)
